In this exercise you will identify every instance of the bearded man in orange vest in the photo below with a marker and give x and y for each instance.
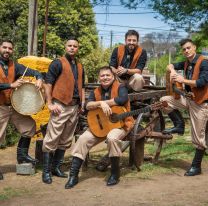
(65, 94)
(127, 61)
(9, 80)
(195, 80)
(109, 94)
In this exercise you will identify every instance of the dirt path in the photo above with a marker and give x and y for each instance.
(160, 190)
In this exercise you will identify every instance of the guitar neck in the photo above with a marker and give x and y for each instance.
(182, 93)
(133, 113)
(178, 91)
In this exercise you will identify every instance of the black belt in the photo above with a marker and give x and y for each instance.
(7, 104)
(74, 102)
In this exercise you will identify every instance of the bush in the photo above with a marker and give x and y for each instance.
(12, 137)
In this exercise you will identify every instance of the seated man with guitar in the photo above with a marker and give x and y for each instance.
(195, 80)
(100, 105)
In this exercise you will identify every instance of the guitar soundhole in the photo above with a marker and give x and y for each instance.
(113, 118)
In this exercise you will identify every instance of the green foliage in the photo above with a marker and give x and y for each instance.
(12, 137)
(74, 18)
(160, 63)
(97, 58)
(201, 41)
(66, 18)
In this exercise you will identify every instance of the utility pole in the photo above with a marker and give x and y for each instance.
(46, 28)
(169, 59)
(101, 41)
(32, 27)
(111, 39)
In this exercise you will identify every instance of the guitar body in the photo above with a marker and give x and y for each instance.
(100, 124)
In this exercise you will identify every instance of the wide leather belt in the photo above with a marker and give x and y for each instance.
(7, 104)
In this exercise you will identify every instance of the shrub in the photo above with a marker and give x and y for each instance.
(12, 137)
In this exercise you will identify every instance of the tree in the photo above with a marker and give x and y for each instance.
(159, 43)
(66, 18)
(184, 14)
(97, 58)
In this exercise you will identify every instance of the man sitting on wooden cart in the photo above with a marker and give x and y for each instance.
(110, 93)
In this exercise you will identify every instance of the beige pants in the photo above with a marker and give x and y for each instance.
(87, 140)
(198, 117)
(24, 124)
(60, 130)
(136, 82)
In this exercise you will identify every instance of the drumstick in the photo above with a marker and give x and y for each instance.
(23, 75)
(24, 72)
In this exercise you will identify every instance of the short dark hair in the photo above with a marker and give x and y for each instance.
(6, 40)
(132, 32)
(184, 41)
(105, 68)
(72, 38)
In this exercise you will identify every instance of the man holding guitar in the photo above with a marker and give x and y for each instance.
(195, 80)
(109, 94)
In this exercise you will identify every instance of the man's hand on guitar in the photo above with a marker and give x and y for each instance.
(106, 108)
(177, 78)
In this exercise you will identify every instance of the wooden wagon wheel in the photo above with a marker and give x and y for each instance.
(159, 128)
(137, 144)
(136, 152)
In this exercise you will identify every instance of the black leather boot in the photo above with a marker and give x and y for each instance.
(47, 160)
(196, 164)
(74, 172)
(178, 122)
(58, 158)
(22, 151)
(1, 176)
(115, 171)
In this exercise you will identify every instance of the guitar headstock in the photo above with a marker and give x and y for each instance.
(158, 105)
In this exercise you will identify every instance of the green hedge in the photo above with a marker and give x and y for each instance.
(12, 137)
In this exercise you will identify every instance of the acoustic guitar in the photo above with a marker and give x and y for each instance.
(176, 89)
(100, 124)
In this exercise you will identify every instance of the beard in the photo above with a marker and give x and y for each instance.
(5, 55)
(131, 47)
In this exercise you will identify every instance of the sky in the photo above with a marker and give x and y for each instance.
(143, 21)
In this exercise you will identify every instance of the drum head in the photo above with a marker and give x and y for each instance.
(26, 99)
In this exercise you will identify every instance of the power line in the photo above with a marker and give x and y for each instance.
(134, 27)
(118, 13)
(117, 5)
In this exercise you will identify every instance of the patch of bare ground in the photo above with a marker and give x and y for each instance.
(166, 189)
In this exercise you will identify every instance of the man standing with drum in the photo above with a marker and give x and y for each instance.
(9, 79)
(64, 93)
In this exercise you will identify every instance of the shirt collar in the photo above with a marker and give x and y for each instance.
(3, 61)
(195, 59)
(69, 58)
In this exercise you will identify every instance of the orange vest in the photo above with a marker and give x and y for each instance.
(63, 89)
(201, 94)
(137, 54)
(128, 121)
(5, 94)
